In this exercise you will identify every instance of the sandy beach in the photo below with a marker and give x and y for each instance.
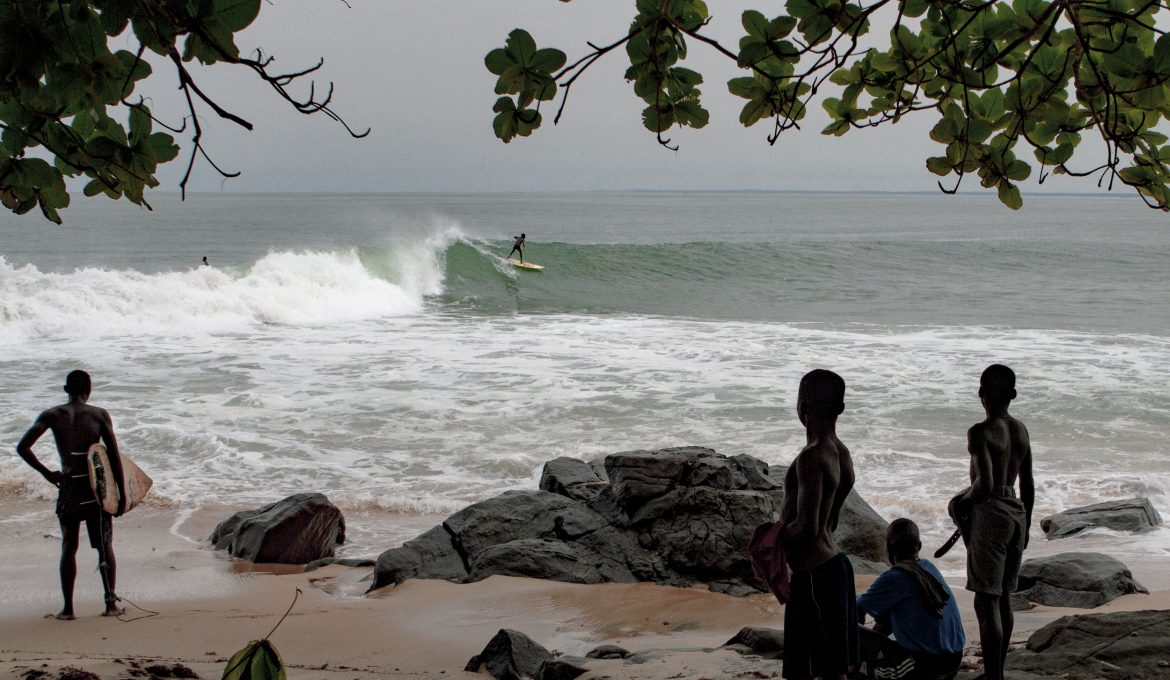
(209, 606)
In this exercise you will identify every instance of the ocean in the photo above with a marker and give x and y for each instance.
(378, 349)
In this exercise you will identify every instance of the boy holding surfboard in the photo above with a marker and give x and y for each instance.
(76, 426)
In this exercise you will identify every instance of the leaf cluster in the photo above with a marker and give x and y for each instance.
(66, 92)
(1012, 85)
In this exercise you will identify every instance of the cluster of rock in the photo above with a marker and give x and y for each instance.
(677, 516)
(1081, 579)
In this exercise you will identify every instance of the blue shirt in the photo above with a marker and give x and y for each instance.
(895, 600)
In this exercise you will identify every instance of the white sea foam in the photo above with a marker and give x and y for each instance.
(282, 288)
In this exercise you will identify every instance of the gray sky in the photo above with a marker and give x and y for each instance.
(414, 73)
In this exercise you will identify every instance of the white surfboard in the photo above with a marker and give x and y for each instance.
(105, 486)
(530, 266)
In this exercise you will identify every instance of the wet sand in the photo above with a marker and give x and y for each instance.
(210, 606)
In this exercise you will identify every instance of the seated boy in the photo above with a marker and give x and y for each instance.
(913, 602)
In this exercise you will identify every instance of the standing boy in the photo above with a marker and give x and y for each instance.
(76, 426)
(820, 619)
(995, 519)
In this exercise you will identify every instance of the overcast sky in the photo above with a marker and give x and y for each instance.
(414, 73)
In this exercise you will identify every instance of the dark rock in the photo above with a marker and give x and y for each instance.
(510, 655)
(297, 530)
(1134, 514)
(537, 558)
(1113, 646)
(636, 476)
(607, 652)
(767, 642)
(345, 562)
(560, 669)
(752, 473)
(430, 555)
(515, 515)
(572, 478)
(706, 532)
(1083, 580)
(620, 558)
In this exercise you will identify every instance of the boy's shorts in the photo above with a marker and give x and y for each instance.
(995, 545)
(820, 621)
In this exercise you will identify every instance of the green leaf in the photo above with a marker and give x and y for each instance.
(1009, 195)
(938, 165)
(235, 15)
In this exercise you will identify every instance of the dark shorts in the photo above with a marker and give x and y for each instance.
(884, 659)
(995, 545)
(76, 504)
(820, 621)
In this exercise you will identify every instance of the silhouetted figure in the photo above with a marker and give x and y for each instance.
(914, 603)
(205, 262)
(994, 519)
(820, 619)
(518, 246)
(76, 426)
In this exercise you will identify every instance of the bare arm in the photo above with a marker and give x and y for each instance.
(115, 458)
(1027, 489)
(24, 448)
(803, 528)
(981, 468)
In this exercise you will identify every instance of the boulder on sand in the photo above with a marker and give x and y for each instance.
(1082, 580)
(1133, 514)
(296, 530)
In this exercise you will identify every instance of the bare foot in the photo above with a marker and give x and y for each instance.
(112, 608)
(64, 615)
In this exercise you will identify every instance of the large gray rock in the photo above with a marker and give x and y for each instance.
(1133, 514)
(296, 530)
(1082, 580)
(1113, 646)
(676, 516)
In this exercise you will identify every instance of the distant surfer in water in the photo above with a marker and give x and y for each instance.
(205, 262)
(518, 246)
(76, 426)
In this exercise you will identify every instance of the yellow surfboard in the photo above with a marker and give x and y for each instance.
(525, 265)
(105, 486)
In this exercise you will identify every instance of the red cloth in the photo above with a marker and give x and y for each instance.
(769, 559)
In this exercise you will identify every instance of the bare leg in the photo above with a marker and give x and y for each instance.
(991, 637)
(1007, 623)
(70, 532)
(109, 568)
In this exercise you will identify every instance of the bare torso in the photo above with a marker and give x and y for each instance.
(75, 428)
(815, 488)
(998, 447)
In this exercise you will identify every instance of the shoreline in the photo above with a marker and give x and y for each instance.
(210, 606)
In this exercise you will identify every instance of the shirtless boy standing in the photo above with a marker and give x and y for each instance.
(996, 519)
(820, 619)
(76, 426)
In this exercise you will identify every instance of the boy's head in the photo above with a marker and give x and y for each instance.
(997, 384)
(821, 395)
(77, 384)
(902, 540)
